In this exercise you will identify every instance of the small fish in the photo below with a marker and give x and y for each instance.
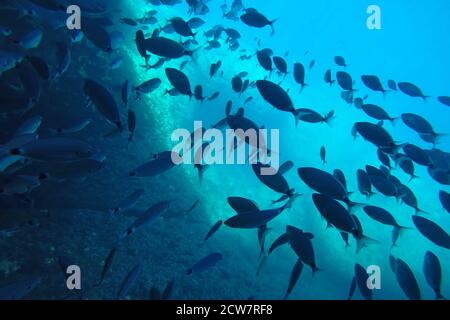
(323, 153)
(19, 289)
(352, 288)
(205, 263)
(213, 229)
(433, 273)
(131, 124)
(411, 90)
(406, 280)
(295, 275)
(107, 265)
(128, 202)
(194, 205)
(432, 231)
(31, 39)
(129, 281)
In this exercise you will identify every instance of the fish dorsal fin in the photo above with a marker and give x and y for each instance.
(240, 112)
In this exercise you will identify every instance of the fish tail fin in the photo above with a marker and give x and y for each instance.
(296, 115)
(400, 230)
(353, 206)
(418, 211)
(413, 176)
(271, 25)
(394, 121)
(363, 242)
(200, 174)
(193, 53)
(425, 98)
(439, 136)
(328, 119)
(303, 85)
(316, 269)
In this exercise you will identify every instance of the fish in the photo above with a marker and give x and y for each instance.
(377, 112)
(179, 81)
(281, 240)
(128, 202)
(445, 100)
(29, 126)
(255, 19)
(311, 116)
(373, 83)
(253, 219)
(345, 81)
(129, 281)
(104, 101)
(53, 149)
(384, 159)
(276, 96)
(383, 216)
(407, 280)
(352, 288)
(411, 90)
(214, 96)
(364, 184)
(125, 92)
(265, 59)
(131, 124)
(433, 273)
(301, 243)
(213, 229)
(417, 154)
(182, 27)
(276, 182)
(378, 136)
(165, 47)
(148, 86)
(323, 153)
(280, 64)
(129, 21)
(242, 205)
(167, 292)
(340, 61)
(147, 217)
(408, 167)
(432, 231)
(214, 68)
(327, 78)
(361, 278)
(236, 84)
(97, 35)
(325, 183)
(299, 75)
(335, 214)
(295, 275)
(107, 265)
(340, 176)
(194, 205)
(444, 197)
(30, 40)
(19, 289)
(392, 85)
(205, 263)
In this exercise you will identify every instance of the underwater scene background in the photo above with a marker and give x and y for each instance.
(64, 217)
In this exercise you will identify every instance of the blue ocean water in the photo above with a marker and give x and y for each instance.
(72, 212)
